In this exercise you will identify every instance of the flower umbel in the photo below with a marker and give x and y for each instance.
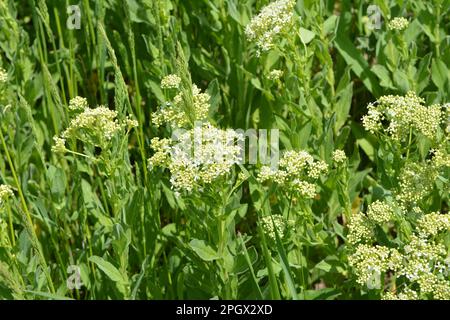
(269, 23)
(197, 157)
(371, 261)
(97, 125)
(339, 156)
(380, 212)
(275, 74)
(297, 171)
(403, 114)
(94, 126)
(5, 193)
(398, 23)
(78, 103)
(172, 81)
(420, 262)
(175, 114)
(3, 75)
(268, 226)
(60, 145)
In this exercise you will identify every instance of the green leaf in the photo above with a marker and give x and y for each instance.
(306, 35)
(439, 73)
(139, 279)
(250, 262)
(214, 92)
(392, 55)
(344, 102)
(383, 74)
(108, 269)
(57, 180)
(359, 66)
(47, 295)
(324, 266)
(235, 14)
(423, 73)
(401, 81)
(204, 251)
(322, 294)
(367, 148)
(156, 89)
(285, 264)
(330, 24)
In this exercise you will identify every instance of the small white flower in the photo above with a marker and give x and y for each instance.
(78, 103)
(172, 81)
(198, 157)
(268, 223)
(3, 75)
(339, 156)
(5, 193)
(60, 145)
(398, 23)
(175, 112)
(269, 23)
(275, 74)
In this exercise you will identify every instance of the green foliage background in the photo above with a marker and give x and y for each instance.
(131, 236)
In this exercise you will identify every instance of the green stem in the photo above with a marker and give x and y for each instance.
(29, 221)
(409, 143)
(436, 31)
(223, 239)
(11, 227)
(290, 204)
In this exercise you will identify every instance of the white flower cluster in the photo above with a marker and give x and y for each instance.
(59, 146)
(398, 23)
(361, 226)
(380, 212)
(131, 123)
(339, 156)
(96, 126)
(360, 229)
(422, 260)
(372, 120)
(198, 157)
(405, 294)
(371, 261)
(416, 180)
(101, 120)
(269, 23)
(403, 113)
(433, 223)
(268, 226)
(175, 112)
(297, 171)
(424, 263)
(78, 103)
(440, 159)
(5, 193)
(4, 241)
(3, 75)
(275, 74)
(171, 81)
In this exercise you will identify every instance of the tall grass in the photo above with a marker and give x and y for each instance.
(105, 212)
